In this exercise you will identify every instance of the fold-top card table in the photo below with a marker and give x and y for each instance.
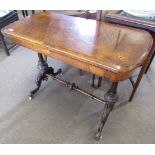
(106, 50)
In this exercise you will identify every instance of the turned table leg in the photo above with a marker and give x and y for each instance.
(99, 82)
(43, 70)
(81, 72)
(110, 98)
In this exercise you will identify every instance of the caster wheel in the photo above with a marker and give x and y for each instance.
(30, 97)
(98, 136)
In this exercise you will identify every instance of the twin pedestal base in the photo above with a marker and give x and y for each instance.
(110, 98)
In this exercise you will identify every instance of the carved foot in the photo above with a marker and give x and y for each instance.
(111, 96)
(39, 80)
(43, 71)
(98, 136)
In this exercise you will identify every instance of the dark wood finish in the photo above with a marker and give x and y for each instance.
(4, 44)
(111, 97)
(25, 13)
(98, 83)
(44, 70)
(107, 50)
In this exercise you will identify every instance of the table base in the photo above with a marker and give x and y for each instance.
(109, 100)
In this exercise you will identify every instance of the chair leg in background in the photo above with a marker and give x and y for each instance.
(4, 44)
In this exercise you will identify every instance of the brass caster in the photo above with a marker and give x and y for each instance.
(98, 136)
(30, 97)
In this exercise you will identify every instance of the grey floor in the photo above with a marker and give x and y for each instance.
(58, 115)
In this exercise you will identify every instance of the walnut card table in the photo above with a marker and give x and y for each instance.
(106, 50)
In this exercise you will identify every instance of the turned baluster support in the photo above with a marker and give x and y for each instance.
(110, 98)
(99, 82)
(43, 70)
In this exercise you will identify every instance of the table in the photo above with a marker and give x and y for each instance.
(121, 17)
(106, 50)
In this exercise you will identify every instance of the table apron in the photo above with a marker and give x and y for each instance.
(112, 76)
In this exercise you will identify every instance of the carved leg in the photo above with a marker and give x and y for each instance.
(99, 82)
(39, 80)
(149, 63)
(111, 98)
(23, 12)
(4, 44)
(43, 71)
(26, 12)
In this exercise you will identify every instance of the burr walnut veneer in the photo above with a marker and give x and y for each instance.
(107, 50)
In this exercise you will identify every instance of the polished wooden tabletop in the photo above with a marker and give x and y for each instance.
(108, 50)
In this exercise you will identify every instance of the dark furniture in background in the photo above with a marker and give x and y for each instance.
(26, 12)
(96, 15)
(5, 20)
(121, 17)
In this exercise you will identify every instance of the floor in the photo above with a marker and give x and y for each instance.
(58, 115)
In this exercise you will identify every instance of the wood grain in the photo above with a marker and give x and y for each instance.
(107, 50)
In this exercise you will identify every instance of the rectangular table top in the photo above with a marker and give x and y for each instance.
(98, 47)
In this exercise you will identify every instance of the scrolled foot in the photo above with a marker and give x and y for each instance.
(98, 136)
(98, 84)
